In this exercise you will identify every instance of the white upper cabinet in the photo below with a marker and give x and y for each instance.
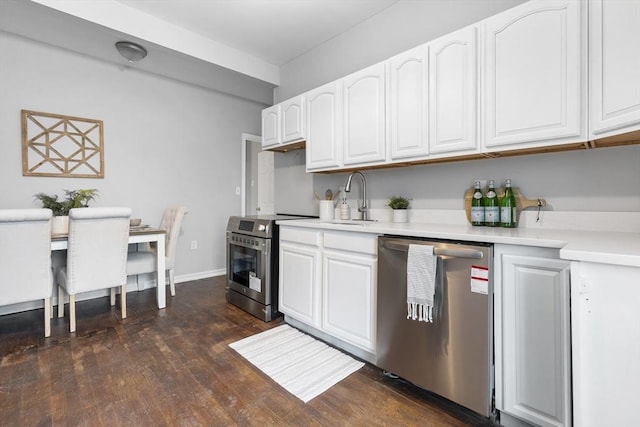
(453, 92)
(271, 126)
(614, 67)
(283, 123)
(324, 132)
(408, 104)
(292, 124)
(364, 116)
(533, 80)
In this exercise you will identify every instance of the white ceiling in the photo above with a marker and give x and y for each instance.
(252, 37)
(232, 46)
(275, 31)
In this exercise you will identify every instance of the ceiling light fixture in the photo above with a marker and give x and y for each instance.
(130, 51)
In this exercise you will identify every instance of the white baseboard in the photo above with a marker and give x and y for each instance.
(201, 275)
(131, 287)
(147, 281)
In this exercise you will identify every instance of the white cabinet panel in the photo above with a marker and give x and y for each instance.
(292, 113)
(349, 298)
(533, 374)
(271, 126)
(299, 282)
(453, 88)
(408, 104)
(364, 116)
(324, 131)
(534, 68)
(614, 66)
(606, 344)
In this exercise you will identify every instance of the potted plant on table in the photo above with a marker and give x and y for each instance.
(400, 205)
(60, 208)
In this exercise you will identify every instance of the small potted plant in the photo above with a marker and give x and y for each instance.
(60, 208)
(399, 205)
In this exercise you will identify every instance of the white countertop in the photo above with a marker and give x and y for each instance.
(608, 247)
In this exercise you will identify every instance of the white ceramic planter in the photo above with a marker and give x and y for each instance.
(400, 215)
(60, 224)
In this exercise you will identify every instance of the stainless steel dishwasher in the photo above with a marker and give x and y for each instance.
(453, 356)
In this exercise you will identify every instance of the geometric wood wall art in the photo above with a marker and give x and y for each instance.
(64, 146)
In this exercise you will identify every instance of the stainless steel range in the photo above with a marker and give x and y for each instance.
(252, 263)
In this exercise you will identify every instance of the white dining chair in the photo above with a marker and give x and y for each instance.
(145, 261)
(96, 256)
(25, 259)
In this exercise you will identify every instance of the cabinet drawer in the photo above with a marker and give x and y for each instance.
(299, 235)
(353, 242)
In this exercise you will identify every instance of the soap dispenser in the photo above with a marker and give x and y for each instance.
(345, 210)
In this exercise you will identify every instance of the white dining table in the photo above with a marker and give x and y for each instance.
(136, 235)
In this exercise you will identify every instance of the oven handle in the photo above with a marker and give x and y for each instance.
(396, 245)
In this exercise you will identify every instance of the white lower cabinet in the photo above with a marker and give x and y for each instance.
(328, 281)
(299, 292)
(606, 344)
(532, 335)
(350, 267)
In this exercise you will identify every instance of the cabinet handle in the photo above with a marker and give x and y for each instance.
(454, 253)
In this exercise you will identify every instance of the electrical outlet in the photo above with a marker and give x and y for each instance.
(237, 191)
(194, 244)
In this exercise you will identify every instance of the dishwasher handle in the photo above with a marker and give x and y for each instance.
(396, 245)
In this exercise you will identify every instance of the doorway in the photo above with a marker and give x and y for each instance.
(257, 186)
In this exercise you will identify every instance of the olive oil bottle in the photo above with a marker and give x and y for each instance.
(477, 206)
(508, 214)
(491, 206)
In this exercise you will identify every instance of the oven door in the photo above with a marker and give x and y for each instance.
(249, 266)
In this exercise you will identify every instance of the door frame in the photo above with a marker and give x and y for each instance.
(246, 139)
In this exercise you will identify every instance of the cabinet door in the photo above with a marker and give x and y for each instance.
(606, 344)
(299, 283)
(534, 75)
(533, 372)
(292, 113)
(323, 114)
(349, 298)
(408, 104)
(271, 126)
(614, 52)
(453, 92)
(364, 116)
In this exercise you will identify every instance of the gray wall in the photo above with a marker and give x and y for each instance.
(596, 180)
(166, 142)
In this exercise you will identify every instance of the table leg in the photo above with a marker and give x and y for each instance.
(160, 274)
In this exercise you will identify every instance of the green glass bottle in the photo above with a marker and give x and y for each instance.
(477, 206)
(491, 206)
(508, 207)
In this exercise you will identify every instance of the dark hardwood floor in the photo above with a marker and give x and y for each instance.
(174, 367)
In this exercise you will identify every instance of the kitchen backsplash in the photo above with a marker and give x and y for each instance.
(601, 180)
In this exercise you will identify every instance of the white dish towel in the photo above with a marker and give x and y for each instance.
(421, 278)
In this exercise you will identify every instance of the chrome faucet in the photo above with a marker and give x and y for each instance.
(347, 189)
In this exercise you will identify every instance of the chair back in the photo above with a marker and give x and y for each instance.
(97, 248)
(171, 223)
(25, 255)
